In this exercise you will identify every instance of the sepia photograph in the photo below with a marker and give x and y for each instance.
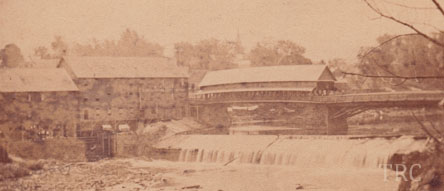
(221, 95)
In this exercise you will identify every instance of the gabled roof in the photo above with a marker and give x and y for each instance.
(43, 63)
(35, 80)
(124, 67)
(282, 73)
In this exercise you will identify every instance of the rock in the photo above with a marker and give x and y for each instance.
(157, 177)
(187, 171)
(299, 187)
(191, 187)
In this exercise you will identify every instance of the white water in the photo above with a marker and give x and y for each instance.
(302, 151)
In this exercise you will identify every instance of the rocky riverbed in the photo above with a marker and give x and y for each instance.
(144, 174)
(102, 175)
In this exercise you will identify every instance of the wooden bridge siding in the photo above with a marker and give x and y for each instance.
(213, 106)
(333, 99)
(313, 117)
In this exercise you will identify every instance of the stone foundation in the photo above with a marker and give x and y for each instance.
(66, 149)
(131, 145)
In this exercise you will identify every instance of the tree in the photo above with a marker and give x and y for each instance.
(417, 30)
(42, 52)
(129, 44)
(184, 53)
(209, 54)
(407, 55)
(282, 52)
(433, 39)
(59, 46)
(11, 56)
(336, 66)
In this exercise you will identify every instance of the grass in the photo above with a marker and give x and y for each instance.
(13, 170)
(65, 149)
(19, 168)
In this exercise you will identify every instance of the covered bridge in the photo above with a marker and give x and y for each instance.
(286, 80)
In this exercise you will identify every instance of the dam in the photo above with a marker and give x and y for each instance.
(298, 150)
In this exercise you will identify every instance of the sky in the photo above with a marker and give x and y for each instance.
(328, 29)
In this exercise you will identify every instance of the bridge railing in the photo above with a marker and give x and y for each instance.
(345, 98)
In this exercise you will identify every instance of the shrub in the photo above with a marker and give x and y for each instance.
(12, 170)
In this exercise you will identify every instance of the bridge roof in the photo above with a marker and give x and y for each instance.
(283, 73)
(255, 90)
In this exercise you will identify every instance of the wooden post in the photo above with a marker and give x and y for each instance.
(197, 113)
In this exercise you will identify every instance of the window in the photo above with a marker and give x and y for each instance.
(85, 114)
(120, 111)
(34, 97)
(176, 82)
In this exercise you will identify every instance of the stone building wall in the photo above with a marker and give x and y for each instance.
(111, 100)
(46, 113)
(132, 145)
(61, 148)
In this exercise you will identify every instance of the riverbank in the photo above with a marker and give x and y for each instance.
(143, 174)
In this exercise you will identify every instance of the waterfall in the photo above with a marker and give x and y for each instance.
(302, 151)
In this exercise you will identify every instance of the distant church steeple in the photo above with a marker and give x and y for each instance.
(238, 38)
(240, 59)
(238, 42)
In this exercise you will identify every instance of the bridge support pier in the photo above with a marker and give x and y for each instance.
(213, 115)
(319, 119)
(336, 125)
